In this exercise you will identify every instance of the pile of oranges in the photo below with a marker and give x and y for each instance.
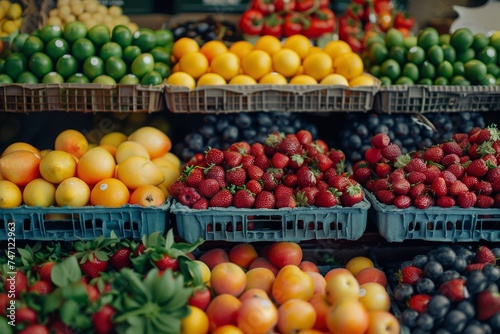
(119, 170)
(268, 61)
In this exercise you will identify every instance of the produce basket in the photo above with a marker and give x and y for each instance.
(80, 98)
(86, 223)
(425, 98)
(286, 98)
(434, 223)
(286, 224)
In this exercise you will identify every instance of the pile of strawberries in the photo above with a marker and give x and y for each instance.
(284, 171)
(464, 171)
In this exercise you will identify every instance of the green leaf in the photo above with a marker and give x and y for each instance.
(5, 328)
(102, 256)
(163, 287)
(155, 240)
(141, 263)
(25, 255)
(193, 269)
(169, 239)
(79, 246)
(66, 272)
(75, 291)
(53, 301)
(187, 248)
(136, 284)
(68, 312)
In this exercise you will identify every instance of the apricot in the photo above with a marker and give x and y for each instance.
(214, 256)
(284, 253)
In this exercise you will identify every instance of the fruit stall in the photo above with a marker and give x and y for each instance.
(263, 166)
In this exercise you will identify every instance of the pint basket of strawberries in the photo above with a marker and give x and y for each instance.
(287, 188)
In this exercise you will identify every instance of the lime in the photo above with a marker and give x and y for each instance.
(56, 47)
(427, 37)
(398, 53)
(410, 41)
(115, 67)
(390, 68)
(411, 71)
(27, 77)
(93, 67)
(374, 39)
(458, 68)
(435, 54)
(416, 55)
(49, 32)
(129, 79)
(444, 39)
(404, 81)
(104, 79)
(66, 66)
(480, 41)
(375, 71)
(445, 70)
(488, 80)
(163, 69)
(459, 80)
(487, 55)
(164, 37)
(110, 49)
(495, 40)
(18, 42)
(122, 35)
(32, 45)
(425, 81)
(440, 81)
(130, 53)
(427, 70)
(40, 64)
(5, 79)
(465, 56)
(52, 77)
(2, 65)
(74, 30)
(385, 81)
(449, 53)
(493, 69)
(475, 70)
(15, 64)
(462, 39)
(393, 37)
(145, 39)
(99, 34)
(142, 65)
(162, 54)
(152, 78)
(78, 78)
(377, 53)
(82, 48)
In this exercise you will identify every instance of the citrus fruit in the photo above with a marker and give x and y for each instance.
(362, 80)
(152, 78)
(145, 39)
(136, 171)
(318, 65)
(32, 45)
(74, 30)
(39, 192)
(242, 79)
(161, 54)
(77, 78)
(475, 70)
(458, 68)
(393, 37)
(398, 53)
(349, 65)
(95, 165)
(444, 39)
(334, 79)
(82, 48)
(57, 166)
(377, 53)
(27, 77)
(110, 49)
(40, 64)
(147, 195)
(411, 71)
(488, 55)
(213, 48)
(303, 79)
(268, 43)
(256, 63)
(480, 41)
(18, 42)
(300, 44)
(163, 69)
(72, 192)
(114, 138)
(4, 78)
(416, 55)
(428, 37)
(109, 192)
(241, 48)
(52, 77)
(286, 62)
(129, 79)
(104, 80)
(462, 39)
(93, 67)
(181, 79)
(495, 40)
(195, 322)
(226, 64)
(435, 55)
(121, 35)
(466, 55)
(445, 70)
(130, 53)
(142, 64)
(441, 81)
(164, 37)
(183, 46)
(427, 70)
(49, 32)
(273, 78)
(71, 141)
(209, 79)
(194, 63)
(20, 166)
(449, 53)
(15, 64)
(115, 67)
(356, 264)
(10, 195)
(56, 48)
(99, 34)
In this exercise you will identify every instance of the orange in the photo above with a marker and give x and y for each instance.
(10, 195)
(20, 167)
(156, 142)
(334, 79)
(229, 278)
(336, 271)
(303, 79)
(256, 63)
(356, 264)
(39, 192)
(362, 80)
(243, 254)
(241, 48)
(194, 63)
(348, 317)
(56, 166)
(268, 43)
(213, 48)
(181, 79)
(242, 79)
(110, 193)
(147, 195)
(253, 293)
(273, 78)
(71, 141)
(208, 79)
(318, 65)
(336, 48)
(95, 165)
(130, 148)
(20, 146)
(114, 138)
(228, 329)
(257, 316)
(183, 46)
(298, 43)
(314, 49)
(350, 65)
(136, 171)
(292, 283)
(72, 192)
(226, 64)
(195, 322)
(222, 310)
(260, 278)
(286, 62)
(295, 315)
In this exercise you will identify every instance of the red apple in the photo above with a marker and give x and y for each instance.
(200, 298)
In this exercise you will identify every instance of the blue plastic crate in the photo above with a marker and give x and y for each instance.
(434, 223)
(249, 225)
(83, 223)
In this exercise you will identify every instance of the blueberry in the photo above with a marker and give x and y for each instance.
(207, 131)
(264, 119)
(355, 142)
(463, 252)
(401, 130)
(494, 322)
(222, 125)
(372, 121)
(476, 282)
(420, 260)
(243, 120)
(214, 142)
(250, 134)
(433, 270)
(448, 275)
(230, 134)
(194, 142)
(362, 131)
(446, 256)
(473, 329)
(425, 286)
(438, 306)
(442, 331)
(455, 321)
(459, 265)
(210, 119)
(409, 317)
(425, 321)
(381, 128)
(402, 292)
(467, 306)
(491, 272)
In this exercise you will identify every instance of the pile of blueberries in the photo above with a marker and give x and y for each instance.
(206, 29)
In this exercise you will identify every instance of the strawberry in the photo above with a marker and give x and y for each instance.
(431, 173)
(439, 187)
(380, 140)
(419, 302)
(416, 177)
(373, 155)
(279, 160)
(322, 162)
(254, 172)
(487, 304)
(304, 136)
(236, 175)
(484, 188)
(305, 177)
(208, 188)
(327, 198)
(217, 173)
(93, 263)
(475, 266)
(454, 289)
(257, 149)
(445, 202)
(459, 137)
(452, 147)
(411, 275)
(496, 186)
(352, 195)
(417, 190)
(385, 196)
(362, 174)
(416, 164)
(484, 255)
(296, 161)
(214, 156)
(265, 200)
(290, 180)
(401, 187)
(383, 169)
(336, 155)
(46, 270)
(457, 187)
(448, 177)
(470, 181)
(189, 196)
(269, 180)
(272, 142)
(327, 174)
(242, 147)
(306, 196)
(175, 188)
(285, 202)
(467, 199)
(450, 159)
(381, 184)
(121, 258)
(247, 161)
(423, 202)
(194, 175)
(102, 320)
(289, 146)
(282, 190)
(391, 152)
(243, 198)
(26, 316)
(484, 201)
(201, 204)
(232, 158)
(167, 262)
(491, 160)
(457, 169)
(434, 154)
(40, 287)
(262, 161)
(492, 175)
(402, 201)
(340, 182)
(477, 167)
(222, 199)
(464, 159)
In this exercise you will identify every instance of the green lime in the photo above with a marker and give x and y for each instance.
(99, 34)
(32, 45)
(458, 68)
(52, 77)
(15, 64)
(411, 71)
(82, 48)
(410, 41)
(385, 81)
(130, 53)
(487, 55)
(164, 37)
(449, 53)
(122, 35)
(66, 66)
(498, 82)
(375, 71)
(129, 79)
(145, 39)
(425, 81)
(404, 81)
(435, 54)
(142, 65)
(115, 67)
(377, 53)
(427, 70)
(488, 80)
(93, 67)
(459, 80)
(27, 77)
(416, 55)
(2, 65)
(374, 39)
(440, 81)
(57, 47)
(5, 79)
(40, 64)
(18, 42)
(162, 54)
(495, 40)
(104, 80)
(74, 30)
(390, 68)
(465, 56)
(78, 78)
(152, 78)
(462, 39)
(394, 37)
(444, 39)
(493, 69)
(398, 53)
(49, 32)
(475, 70)
(445, 70)
(427, 37)
(110, 49)
(163, 69)
(480, 41)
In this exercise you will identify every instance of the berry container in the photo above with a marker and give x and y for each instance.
(286, 224)
(424, 98)
(434, 223)
(83, 223)
(261, 97)
(80, 98)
